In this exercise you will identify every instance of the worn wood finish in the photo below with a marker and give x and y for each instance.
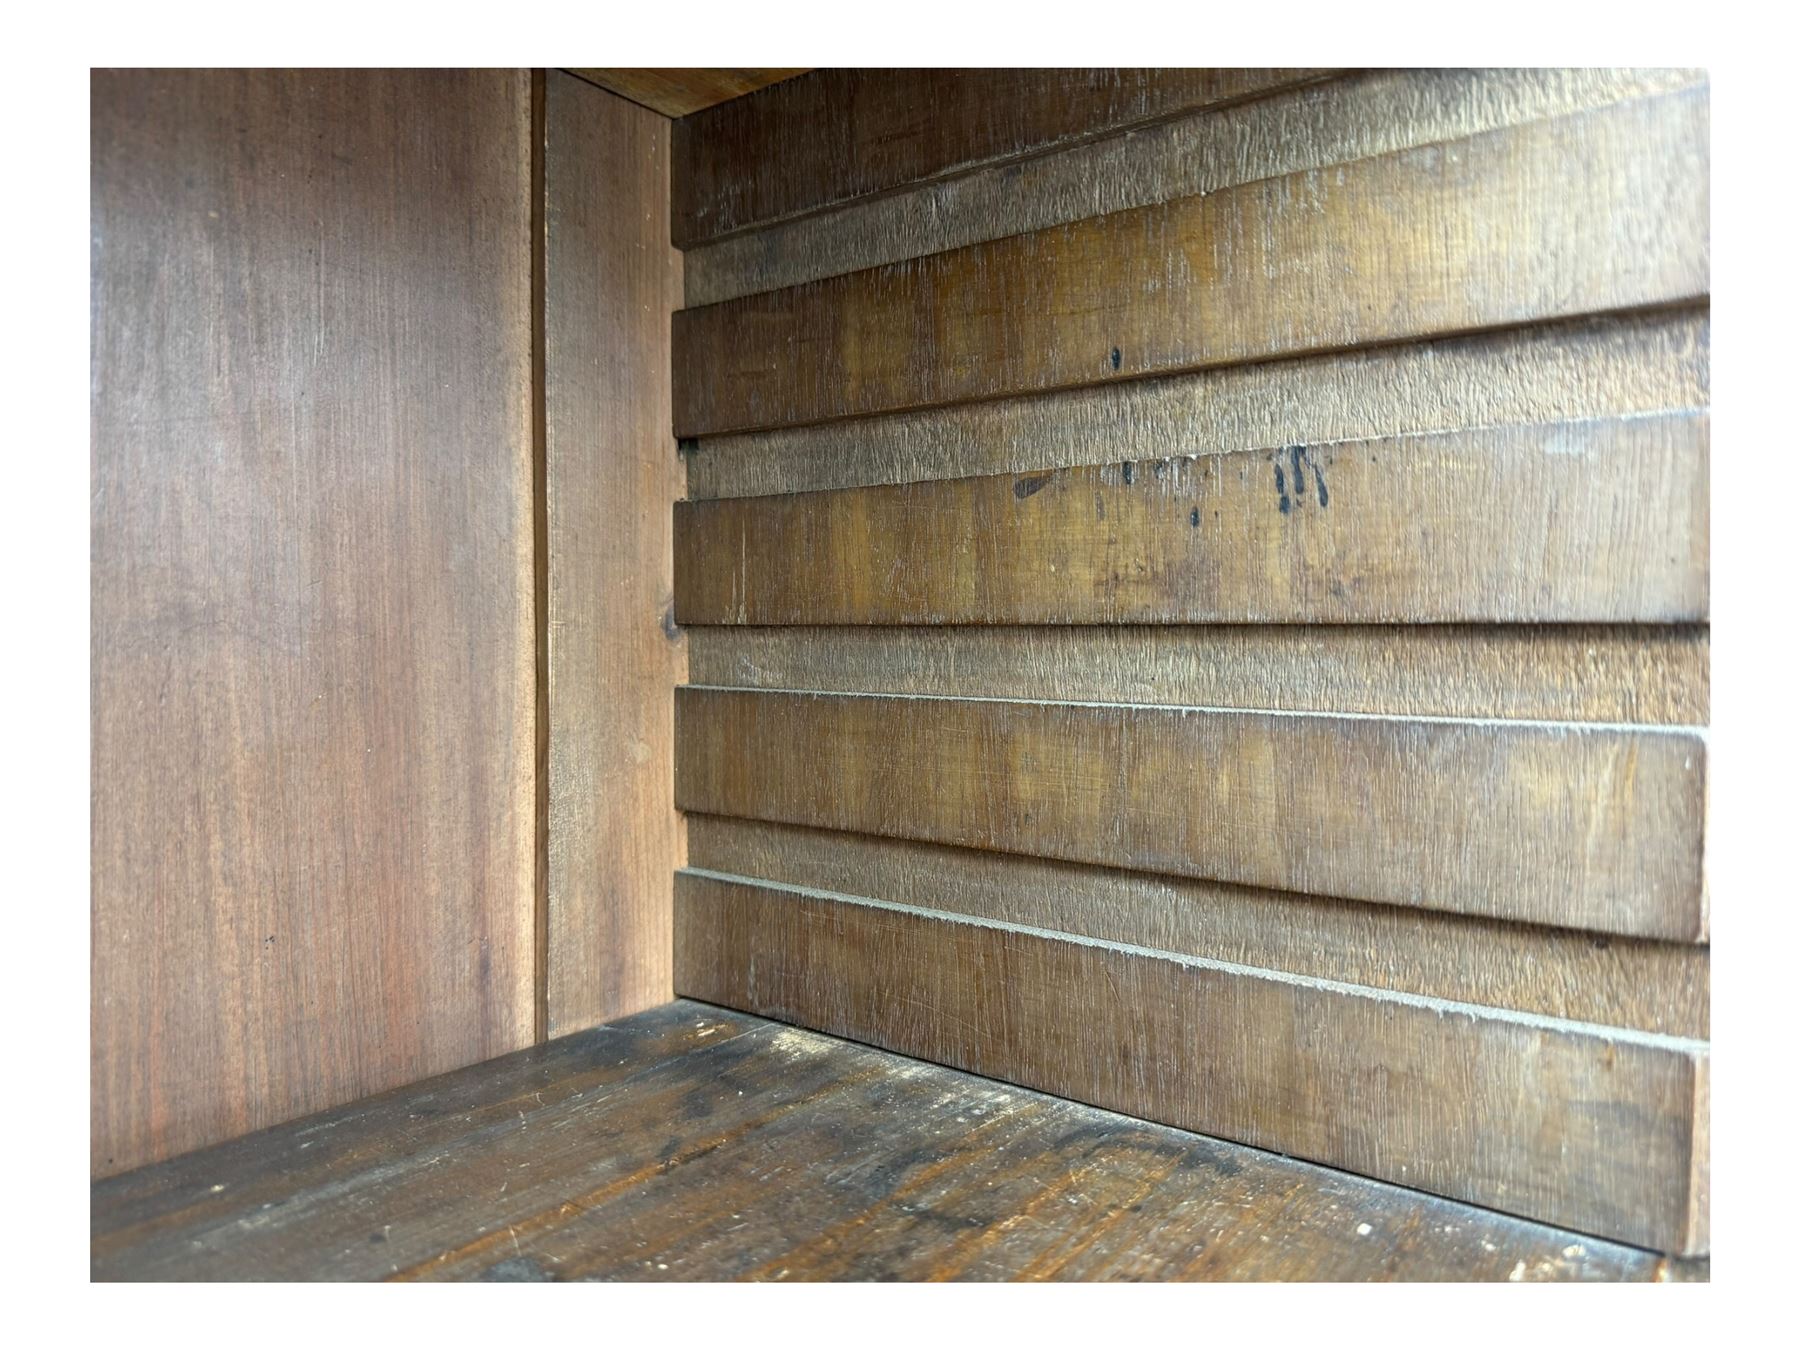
(676, 93)
(871, 131)
(1307, 747)
(1601, 1130)
(1599, 211)
(312, 653)
(1603, 368)
(1315, 126)
(1586, 522)
(1569, 673)
(615, 656)
(1646, 986)
(1579, 826)
(691, 1143)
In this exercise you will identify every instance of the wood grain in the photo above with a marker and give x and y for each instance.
(1566, 673)
(1566, 824)
(689, 1143)
(614, 654)
(1645, 986)
(312, 653)
(1599, 1130)
(676, 93)
(870, 131)
(1603, 210)
(1356, 116)
(1587, 522)
(1555, 372)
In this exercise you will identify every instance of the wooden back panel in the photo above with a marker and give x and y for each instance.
(1210, 619)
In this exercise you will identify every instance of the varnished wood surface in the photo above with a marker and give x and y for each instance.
(691, 1143)
(1641, 985)
(1603, 1130)
(1584, 522)
(615, 655)
(1650, 363)
(1579, 825)
(1316, 125)
(1454, 261)
(1562, 673)
(676, 93)
(1505, 227)
(836, 135)
(312, 674)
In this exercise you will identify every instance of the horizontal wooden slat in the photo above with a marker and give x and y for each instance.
(835, 135)
(1602, 521)
(1614, 981)
(1603, 210)
(1557, 372)
(1315, 126)
(1573, 673)
(1571, 825)
(1592, 1128)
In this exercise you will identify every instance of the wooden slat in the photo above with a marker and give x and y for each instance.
(1315, 126)
(1642, 985)
(1603, 210)
(689, 1143)
(1566, 824)
(1586, 1127)
(313, 788)
(870, 131)
(614, 654)
(1557, 372)
(1602, 521)
(1567, 673)
(676, 93)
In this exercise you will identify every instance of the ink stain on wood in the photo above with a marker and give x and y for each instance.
(1298, 457)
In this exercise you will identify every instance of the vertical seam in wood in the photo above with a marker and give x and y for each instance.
(540, 573)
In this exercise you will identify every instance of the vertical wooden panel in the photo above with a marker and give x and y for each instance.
(614, 654)
(312, 623)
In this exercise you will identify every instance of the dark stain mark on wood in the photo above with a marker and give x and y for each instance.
(1128, 472)
(1300, 456)
(1117, 356)
(1281, 487)
(516, 1270)
(1031, 485)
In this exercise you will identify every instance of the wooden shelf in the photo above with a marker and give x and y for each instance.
(692, 1143)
